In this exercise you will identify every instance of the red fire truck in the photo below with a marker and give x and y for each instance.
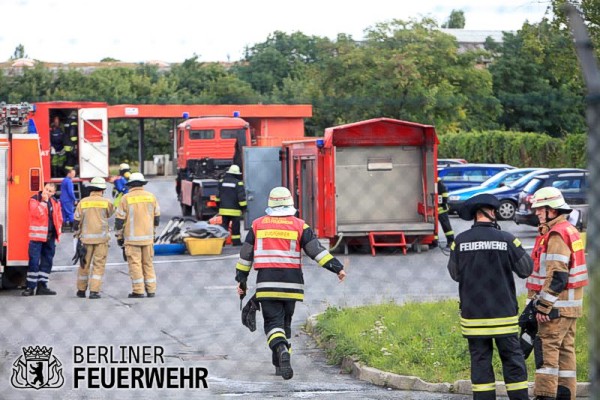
(21, 176)
(208, 146)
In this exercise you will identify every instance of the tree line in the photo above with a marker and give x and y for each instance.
(408, 70)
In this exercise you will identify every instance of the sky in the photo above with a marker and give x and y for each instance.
(217, 30)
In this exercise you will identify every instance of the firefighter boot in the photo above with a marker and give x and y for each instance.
(81, 294)
(544, 398)
(95, 295)
(285, 362)
(563, 393)
(135, 295)
(275, 359)
(44, 291)
(27, 292)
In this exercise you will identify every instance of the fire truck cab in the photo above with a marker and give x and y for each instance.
(207, 148)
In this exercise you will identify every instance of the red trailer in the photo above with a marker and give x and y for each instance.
(372, 179)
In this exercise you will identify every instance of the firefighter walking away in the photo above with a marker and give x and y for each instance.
(556, 288)
(232, 202)
(274, 247)
(483, 260)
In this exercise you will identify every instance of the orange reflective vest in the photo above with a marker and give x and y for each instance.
(578, 276)
(38, 219)
(277, 242)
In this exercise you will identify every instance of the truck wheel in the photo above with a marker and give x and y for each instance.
(186, 210)
(14, 277)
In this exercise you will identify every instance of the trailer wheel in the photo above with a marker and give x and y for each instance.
(186, 210)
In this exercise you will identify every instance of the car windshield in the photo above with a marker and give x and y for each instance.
(522, 181)
(532, 186)
(496, 179)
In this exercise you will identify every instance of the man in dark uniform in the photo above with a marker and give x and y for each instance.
(274, 247)
(232, 202)
(443, 214)
(482, 261)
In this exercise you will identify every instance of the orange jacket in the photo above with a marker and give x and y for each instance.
(38, 218)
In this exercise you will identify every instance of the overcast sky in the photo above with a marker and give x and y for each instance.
(216, 30)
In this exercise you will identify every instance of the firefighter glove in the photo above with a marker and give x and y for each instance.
(249, 313)
(80, 252)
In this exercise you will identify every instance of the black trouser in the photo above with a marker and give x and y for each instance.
(236, 238)
(513, 368)
(446, 227)
(277, 316)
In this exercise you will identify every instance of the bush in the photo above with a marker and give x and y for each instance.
(520, 149)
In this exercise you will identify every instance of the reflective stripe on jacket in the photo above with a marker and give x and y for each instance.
(138, 209)
(231, 196)
(38, 218)
(578, 276)
(559, 275)
(93, 213)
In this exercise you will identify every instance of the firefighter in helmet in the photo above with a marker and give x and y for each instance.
(232, 202)
(443, 214)
(91, 230)
(274, 247)
(483, 260)
(120, 184)
(71, 141)
(557, 283)
(57, 149)
(137, 216)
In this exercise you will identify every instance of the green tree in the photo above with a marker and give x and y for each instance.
(19, 53)
(266, 65)
(537, 81)
(456, 20)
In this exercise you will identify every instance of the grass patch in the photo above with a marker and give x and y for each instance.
(420, 339)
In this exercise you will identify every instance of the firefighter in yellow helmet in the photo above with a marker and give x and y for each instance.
(91, 229)
(556, 287)
(274, 247)
(136, 218)
(232, 202)
(120, 184)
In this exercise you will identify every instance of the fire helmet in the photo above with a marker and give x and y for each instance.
(550, 197)
(234, 169)
(97, 183)
(280, 197)
(470, 207)
(123, 166)
(136, 177)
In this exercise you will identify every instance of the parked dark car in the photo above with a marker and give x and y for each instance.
(461, 176)
(573, 184)
(457, 197)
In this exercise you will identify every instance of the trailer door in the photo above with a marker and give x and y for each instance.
(262, 172)
(93, 142)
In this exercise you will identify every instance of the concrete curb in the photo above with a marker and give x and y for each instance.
(402, 382)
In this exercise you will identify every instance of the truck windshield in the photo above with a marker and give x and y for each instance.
(202, 134)
(239, 134)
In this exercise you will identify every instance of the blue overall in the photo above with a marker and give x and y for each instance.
(67, 199)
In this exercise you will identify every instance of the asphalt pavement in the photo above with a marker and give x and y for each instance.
(195, 319)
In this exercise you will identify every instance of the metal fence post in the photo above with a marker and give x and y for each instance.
(591, 74)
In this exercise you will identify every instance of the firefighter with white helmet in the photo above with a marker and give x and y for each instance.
(274, 247)
(91, 230)
(483, 261)
(137, 216)
(232, 202)
(120, 184)
(556, 287)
